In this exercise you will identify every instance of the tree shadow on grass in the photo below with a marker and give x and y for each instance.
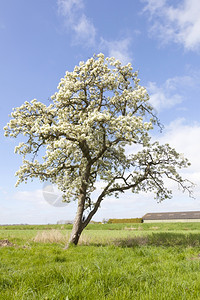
(160, 239)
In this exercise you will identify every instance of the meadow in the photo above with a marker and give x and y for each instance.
(113, 261)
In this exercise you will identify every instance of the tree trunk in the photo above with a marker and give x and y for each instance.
(78, 223)
(75, 235)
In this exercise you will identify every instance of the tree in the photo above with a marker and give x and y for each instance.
(99, 109)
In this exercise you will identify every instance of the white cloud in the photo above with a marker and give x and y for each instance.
(68, 7)
(171, 92)
(35, 197)
(118, 49)
(161, 97)
(3, 191)
(153, 5)
(85, 33)
(185, 138)
(180, 24)
(31, 207)
(76, 20)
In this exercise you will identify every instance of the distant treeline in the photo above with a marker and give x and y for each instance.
(133, 220)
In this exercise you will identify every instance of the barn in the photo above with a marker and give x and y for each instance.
(167, 217)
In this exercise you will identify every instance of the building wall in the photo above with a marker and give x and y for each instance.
(172, 221)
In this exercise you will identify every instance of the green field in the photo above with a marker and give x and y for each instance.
(113, 261)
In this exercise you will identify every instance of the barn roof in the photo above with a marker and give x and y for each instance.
(172, 215)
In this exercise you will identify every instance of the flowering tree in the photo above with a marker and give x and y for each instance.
(99, 109)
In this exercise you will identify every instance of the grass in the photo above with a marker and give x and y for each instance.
(145, 263)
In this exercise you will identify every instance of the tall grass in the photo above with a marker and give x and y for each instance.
(55, 236)
(46, 271)
(50, 236)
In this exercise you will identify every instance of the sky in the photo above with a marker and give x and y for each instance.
(40, 40)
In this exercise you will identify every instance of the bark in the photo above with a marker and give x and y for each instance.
(78, 221)
(78, 224)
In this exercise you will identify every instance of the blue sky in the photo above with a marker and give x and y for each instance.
(40, 40)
